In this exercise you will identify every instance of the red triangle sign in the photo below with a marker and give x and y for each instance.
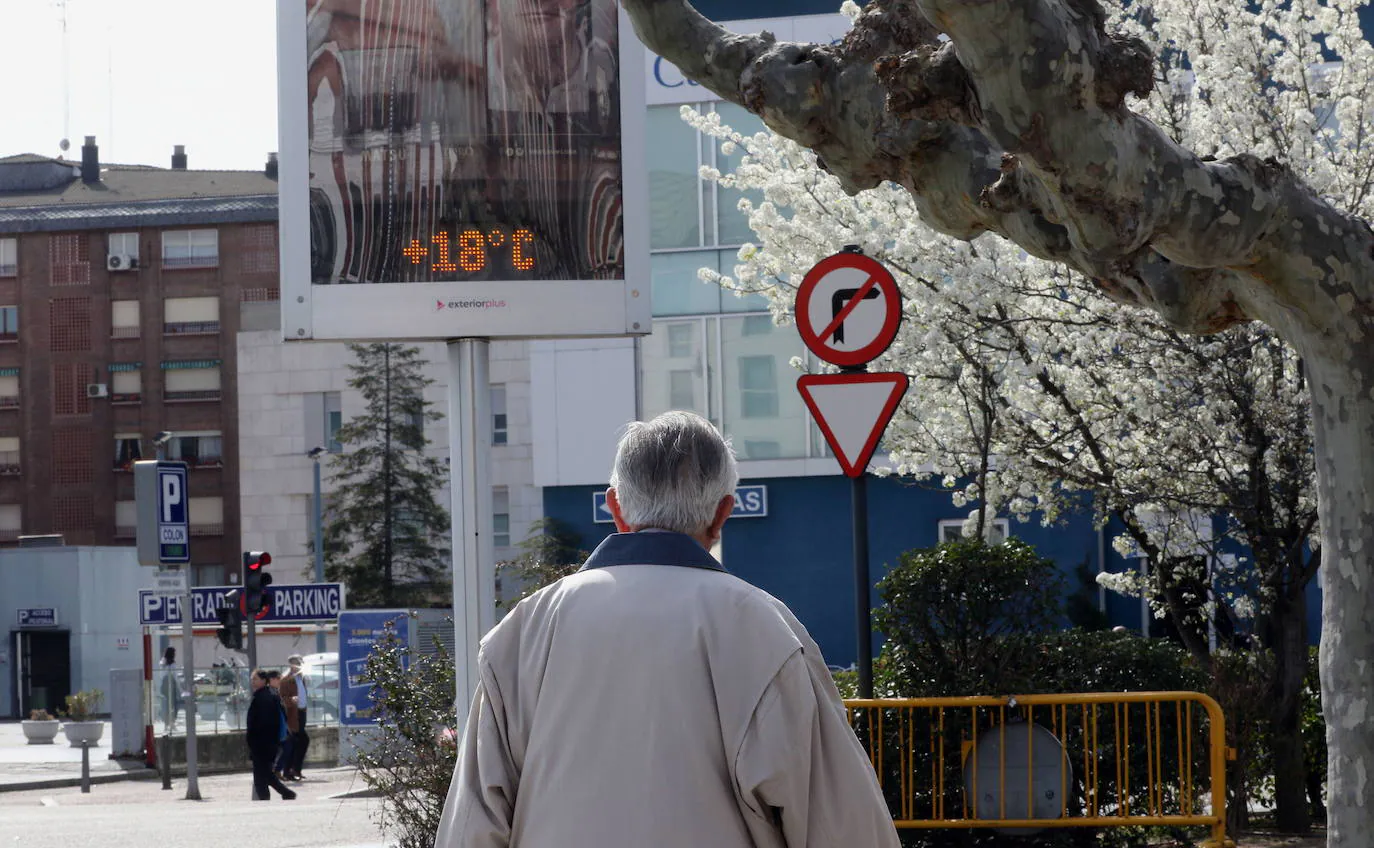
(852, 411)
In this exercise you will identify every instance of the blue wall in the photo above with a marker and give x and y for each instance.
(802, 552)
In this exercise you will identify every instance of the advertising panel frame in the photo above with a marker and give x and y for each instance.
(440, 311)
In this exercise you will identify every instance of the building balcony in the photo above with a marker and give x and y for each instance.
(126, 332)
(186, 397)
(126, 397)
(191, 328)
(9, 402)
(9, 463)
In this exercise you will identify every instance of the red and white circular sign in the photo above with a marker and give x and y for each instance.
(848, 309)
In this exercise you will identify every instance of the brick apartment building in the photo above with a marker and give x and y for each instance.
(120, 289)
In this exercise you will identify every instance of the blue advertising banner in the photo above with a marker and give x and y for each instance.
(286, 604)
(359, 631)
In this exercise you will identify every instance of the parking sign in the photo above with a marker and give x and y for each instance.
(164, 525)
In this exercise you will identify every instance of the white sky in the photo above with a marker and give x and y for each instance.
(143, 75)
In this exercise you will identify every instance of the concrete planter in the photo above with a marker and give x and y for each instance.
(41, 732)
(83, 731)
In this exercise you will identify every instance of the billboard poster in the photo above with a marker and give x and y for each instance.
(451, 165)
(359, 633)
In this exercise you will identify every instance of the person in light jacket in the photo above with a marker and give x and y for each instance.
(654, 699)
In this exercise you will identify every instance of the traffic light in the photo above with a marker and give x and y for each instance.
(230, 631)
(255, 579)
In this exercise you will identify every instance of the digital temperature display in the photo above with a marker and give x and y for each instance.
(464, 141)
(472, 251)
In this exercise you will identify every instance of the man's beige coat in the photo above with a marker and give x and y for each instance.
(658, 706)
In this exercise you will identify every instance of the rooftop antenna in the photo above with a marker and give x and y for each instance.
(66, 82)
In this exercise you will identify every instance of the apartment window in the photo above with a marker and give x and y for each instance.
(191, 380)
(124, 319)
(995, 530)
(126, 382)
(732, 226)
(757, 325)
(206, 516)
(758, 387)
(9, 387)
(69, 324)
(9, 454)
(682, 389)
(126, 519)
(323, 419)
(11, 520)
(190, 248)
(500, 517)
(9, 323)
(500, 424)
(128, 450)
(197, 449)
(415, 420)
(260, 249)
(682, 340)
(124, 244)
(673, 158)
(182, 315)
(69, 257)
(9, 257)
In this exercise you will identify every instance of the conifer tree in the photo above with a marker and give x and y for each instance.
(387, 533)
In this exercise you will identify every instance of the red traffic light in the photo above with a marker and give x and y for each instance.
(257, 559)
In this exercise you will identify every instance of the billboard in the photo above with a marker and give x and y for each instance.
(456, 168)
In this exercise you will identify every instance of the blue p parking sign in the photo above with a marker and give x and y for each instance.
(164, 520)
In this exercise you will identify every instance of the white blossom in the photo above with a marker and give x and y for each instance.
(1030, 391)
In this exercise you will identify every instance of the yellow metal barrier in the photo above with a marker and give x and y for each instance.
(1128, 759)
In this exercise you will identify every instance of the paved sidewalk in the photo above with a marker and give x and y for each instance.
(25, 766)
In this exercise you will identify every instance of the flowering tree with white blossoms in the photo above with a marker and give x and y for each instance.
(1022, 124)
(1033, 392)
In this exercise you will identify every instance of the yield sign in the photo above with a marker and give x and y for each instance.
(852, 411)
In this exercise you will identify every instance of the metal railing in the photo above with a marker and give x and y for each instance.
(1036, 761)
(222, 696)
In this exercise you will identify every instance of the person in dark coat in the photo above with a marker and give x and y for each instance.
(264, 736)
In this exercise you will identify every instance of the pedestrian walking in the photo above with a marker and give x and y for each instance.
(652, 698)
(294, 700)
(170, 688)
(264, 735)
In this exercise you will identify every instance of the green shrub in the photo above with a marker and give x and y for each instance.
(950, 614)
(410, 760)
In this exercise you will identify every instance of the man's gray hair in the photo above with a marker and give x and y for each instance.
(671, 473)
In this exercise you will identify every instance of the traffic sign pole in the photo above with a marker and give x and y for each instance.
(848, 309)
(189, 668)
(863, 607)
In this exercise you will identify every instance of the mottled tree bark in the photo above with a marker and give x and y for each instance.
(1018, 126)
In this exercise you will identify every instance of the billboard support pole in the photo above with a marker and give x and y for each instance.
(474, 566)
(189, 671)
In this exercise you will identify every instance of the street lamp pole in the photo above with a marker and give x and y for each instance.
(315, 454)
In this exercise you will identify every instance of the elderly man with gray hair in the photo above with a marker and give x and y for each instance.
(652, 699)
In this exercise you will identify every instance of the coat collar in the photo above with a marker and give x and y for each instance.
(651, 547)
